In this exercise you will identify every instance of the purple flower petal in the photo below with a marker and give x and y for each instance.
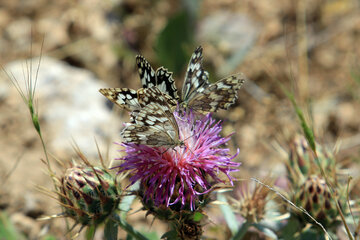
(171, 175)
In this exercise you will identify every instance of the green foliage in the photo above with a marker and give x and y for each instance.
(132, 233)
(151, 235)
(309, 135)
(355, 88)
(306, 129)
(355, 74)
(173, 41)
(170, 235)
(49, 237)
(90, 232)
(7, 229)
(311, 234)
(293, 230)
(198, 216)
(290, 229)
(111, 230)
(241, 231)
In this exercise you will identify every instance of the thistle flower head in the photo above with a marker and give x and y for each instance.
(314, 196)
(309, 186)
(88, 194)
(304, 163)
(180, 177)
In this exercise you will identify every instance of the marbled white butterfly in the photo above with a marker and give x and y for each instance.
(197, 93)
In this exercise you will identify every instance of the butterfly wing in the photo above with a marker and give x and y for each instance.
(155, 124)
(162, 78)
(125, 98)
(166, 83)
(219, 95)
(145, 135)
(146, 72)
(196, 78)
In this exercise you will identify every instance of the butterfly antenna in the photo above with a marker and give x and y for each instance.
(193, 153)
(167, 150)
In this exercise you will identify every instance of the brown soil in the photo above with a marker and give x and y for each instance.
(80, 33)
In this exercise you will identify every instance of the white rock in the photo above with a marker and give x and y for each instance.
(70, 102)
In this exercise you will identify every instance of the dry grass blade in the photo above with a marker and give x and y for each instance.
(293, 205)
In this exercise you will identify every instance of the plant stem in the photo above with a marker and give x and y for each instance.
(242, 231)
(128, 228)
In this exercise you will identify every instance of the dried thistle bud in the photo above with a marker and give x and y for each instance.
(189, 230)
(251, 202)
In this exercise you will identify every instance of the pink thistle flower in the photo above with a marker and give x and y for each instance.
(181, 175)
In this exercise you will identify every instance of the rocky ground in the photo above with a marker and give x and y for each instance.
(89, 45)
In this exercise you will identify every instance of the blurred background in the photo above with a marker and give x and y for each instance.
(312, 47)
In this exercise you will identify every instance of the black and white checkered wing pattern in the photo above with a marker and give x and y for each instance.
(166, 83)
(196, 78)
(162, 78)
(155, 124)
(201, 96)
(125, 98)
(146, 72)
(219, 95)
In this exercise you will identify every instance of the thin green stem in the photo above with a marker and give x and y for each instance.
(47, 159)
(128, 228)
(242, 231)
